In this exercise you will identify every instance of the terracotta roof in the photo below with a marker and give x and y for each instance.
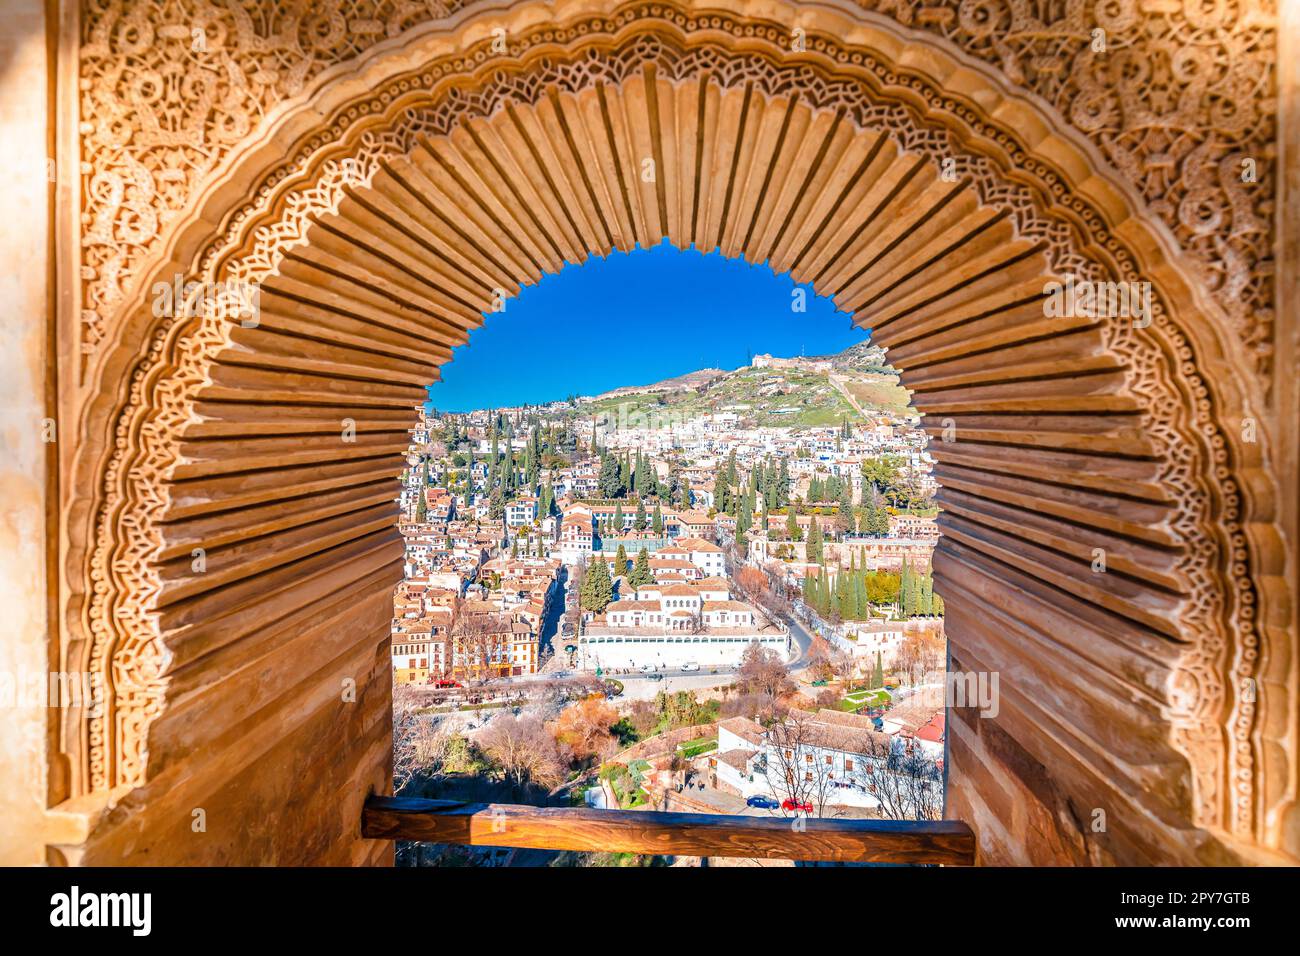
(726, 606)
(679, 590)
(738, 759)
(933, 731)
(715, 583)
(698, 544)
(744, 728)
(630, 606)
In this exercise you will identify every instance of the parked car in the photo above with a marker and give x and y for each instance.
(761, 802)
(690, 666)
(803, 806)
(647, 668)
(448, 683)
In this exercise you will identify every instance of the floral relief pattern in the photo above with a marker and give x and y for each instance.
(1173, 422)
(1177, 94)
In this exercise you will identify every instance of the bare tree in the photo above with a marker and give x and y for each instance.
(419, 746)
(484, 641)
(762, 672)
(584, 728)
(524, 750)
(906, 780)
(573, 610)
(797, 768)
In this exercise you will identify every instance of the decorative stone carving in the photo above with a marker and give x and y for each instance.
(1179, 96)
(1213, 625)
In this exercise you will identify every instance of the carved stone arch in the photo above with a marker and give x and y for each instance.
(1074, 434)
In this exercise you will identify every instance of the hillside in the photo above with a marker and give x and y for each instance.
(689, 381)
(797, 393)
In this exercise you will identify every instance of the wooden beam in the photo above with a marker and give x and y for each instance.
(948, 842)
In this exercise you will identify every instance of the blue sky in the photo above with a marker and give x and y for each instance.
(632, 319)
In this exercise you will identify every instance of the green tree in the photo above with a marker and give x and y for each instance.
(620, 561)
(657, 522)
(683, 492)
(792, 529)
(882, 587)
(783, 485)
(877, 674)
(608, 482)
(844, 515)
(641, 574)
(597, 587)
(814, 546)
(885, 472)
(639, 523)
(721, 493)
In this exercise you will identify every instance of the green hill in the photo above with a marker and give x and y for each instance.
(800, 394)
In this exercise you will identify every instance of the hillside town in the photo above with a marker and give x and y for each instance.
(673, 553)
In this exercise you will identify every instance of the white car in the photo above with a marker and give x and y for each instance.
(647, 668)
(690, 666)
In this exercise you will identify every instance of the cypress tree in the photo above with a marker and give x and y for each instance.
(640, 522)
(844, 514)
(814, 547)
(657, 524)
(844, 597)
(641, 574)
(721, 493)
(863, 606)
(620, 561)
(597, 587)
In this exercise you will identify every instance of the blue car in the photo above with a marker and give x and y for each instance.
(762, 803)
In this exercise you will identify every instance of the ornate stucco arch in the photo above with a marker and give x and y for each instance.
(532, 124)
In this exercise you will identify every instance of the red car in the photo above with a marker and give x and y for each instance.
(801, 805)
(447, 683)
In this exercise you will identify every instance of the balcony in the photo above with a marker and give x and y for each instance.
(914, 842)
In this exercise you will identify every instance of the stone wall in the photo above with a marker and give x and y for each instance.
(1161, 693)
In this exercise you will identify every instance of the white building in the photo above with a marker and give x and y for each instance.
(837, 757)
(521, 511)
(669, 625)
